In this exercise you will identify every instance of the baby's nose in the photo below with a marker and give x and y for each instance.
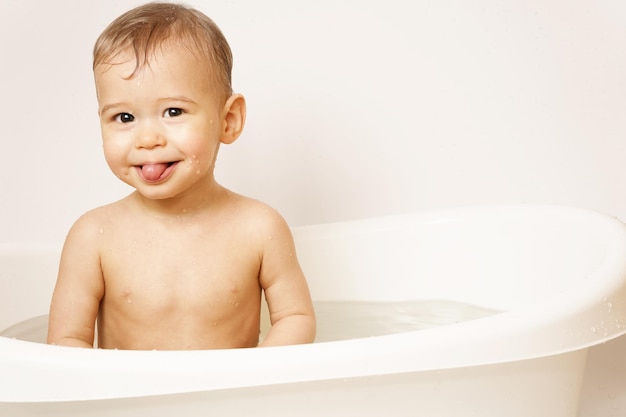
(149, 136)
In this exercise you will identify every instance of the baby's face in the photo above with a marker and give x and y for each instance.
(161, 129)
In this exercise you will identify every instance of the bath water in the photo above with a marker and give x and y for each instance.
(337, 320)
(355, 319)
(31, 330)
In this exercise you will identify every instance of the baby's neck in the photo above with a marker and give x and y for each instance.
(182, 206)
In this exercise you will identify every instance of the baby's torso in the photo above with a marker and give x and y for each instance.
(192, 285)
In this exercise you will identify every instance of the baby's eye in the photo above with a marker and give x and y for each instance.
(124, 118)
(172, 112)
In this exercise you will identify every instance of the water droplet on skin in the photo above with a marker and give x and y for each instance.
(198, 172)
(129, 301)
(593, 330)
(101, 230)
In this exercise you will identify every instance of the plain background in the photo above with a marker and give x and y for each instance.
(356, 108)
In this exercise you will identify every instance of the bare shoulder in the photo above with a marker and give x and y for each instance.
(260, 217)
(266, 228)
(89, 228)
(87, 225)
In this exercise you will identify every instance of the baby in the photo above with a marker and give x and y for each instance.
(181, 262)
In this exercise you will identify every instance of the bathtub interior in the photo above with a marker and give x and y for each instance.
(500, 259)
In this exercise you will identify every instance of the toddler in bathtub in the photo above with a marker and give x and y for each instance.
(179, 263)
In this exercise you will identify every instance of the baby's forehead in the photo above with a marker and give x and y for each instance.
(169, 73)
(170, 53)
(177, 57)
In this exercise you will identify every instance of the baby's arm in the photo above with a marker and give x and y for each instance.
(286, 290)
(79, 288)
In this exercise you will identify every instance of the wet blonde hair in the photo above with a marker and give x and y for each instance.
(146, 29)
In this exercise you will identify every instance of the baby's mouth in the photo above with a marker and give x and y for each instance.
(155, 172)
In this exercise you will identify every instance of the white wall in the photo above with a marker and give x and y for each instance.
(356, 108)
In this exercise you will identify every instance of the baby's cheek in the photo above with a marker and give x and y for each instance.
(197, 165)
(117, 167)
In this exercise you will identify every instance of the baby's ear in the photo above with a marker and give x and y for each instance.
(234, 118)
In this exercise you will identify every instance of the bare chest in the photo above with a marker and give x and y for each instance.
(193, 272)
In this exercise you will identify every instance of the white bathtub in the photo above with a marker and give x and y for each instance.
(558, 273)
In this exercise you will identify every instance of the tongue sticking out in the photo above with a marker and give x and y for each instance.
(152, 172)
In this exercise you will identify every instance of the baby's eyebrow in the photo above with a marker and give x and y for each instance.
(178, 98)
(108, 107)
